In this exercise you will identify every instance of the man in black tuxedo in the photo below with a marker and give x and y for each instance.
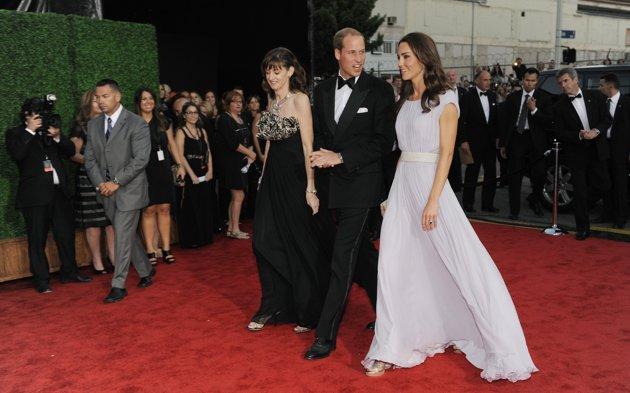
(353, 123)
(618, 138)
(43, 193)
(527, 116)
(581, 123)
(455, 172)
(519, 68)
(479, 137)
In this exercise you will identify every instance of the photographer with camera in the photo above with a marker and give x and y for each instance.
(43, 194)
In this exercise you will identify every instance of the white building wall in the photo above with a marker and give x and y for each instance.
(503, 30)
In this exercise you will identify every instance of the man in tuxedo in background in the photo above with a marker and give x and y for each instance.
(528, 114)
(519, 68)
(455, 173)
(618, 139)
(479, 137)
(43, 194)
(353, 124)
(116, 154)
(582, 120)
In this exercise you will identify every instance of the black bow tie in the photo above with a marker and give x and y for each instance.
(342, 82)
(483, 93)
(574, 97)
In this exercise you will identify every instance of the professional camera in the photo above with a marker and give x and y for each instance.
(45, 107)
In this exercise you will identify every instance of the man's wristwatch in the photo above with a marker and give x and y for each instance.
(115, 181)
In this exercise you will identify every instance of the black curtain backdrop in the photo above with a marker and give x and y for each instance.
(217, 44)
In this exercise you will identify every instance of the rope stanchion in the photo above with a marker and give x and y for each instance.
(554, 229)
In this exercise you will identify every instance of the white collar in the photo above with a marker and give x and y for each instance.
(114, 115)
(356, 78)
(479, 91)
(531, 93)
(614, 99)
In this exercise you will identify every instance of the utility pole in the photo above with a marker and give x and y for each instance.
(558, 32)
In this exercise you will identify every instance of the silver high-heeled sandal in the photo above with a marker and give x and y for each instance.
(377, 369)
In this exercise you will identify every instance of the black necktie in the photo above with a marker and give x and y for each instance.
(483, 93)
(522, 117)
(574, 97)
(342, 82)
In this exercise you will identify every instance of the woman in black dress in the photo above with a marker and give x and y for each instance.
(293, 235)
(235, 154)
(159, 176)
(88, 212)
(195, 221)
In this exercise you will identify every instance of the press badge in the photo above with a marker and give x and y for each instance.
(160, 155)
(48, 166)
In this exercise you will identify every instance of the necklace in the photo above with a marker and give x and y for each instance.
(279, 103)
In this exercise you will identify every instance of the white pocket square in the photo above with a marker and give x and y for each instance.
(362, 110)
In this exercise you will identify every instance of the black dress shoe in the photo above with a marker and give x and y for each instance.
(469, 209)
(43, 288)
(371, 325)
(490, 209)
(320, 349)
(513, 216)
(582, 235)
(148, 280)
(115, 295)
(75, 278)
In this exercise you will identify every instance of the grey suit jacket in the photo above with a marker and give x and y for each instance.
(124, 157)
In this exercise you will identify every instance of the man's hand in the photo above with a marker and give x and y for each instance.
(108, 188)
(465, 147)
(323, 158)
(33, 122)
(531, 104)
(503, 152)
(589, 134)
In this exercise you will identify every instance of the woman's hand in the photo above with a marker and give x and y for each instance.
(262, 158)
(313, 202)
(181, 172)
(429, 216)
(194, 179)
(383, 207)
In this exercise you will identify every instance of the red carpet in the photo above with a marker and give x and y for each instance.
(187, 332)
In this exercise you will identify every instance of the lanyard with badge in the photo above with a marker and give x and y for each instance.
(160, 153)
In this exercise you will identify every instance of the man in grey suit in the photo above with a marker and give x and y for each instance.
(117, 151)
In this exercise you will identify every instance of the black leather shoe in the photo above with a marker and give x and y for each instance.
(513, 216)
(145, 282)
(115, 295)
(371, 325)
(469, 209)
(43, 288)
(582, 235)
(75, 278)
(490, 209)
(320, 349)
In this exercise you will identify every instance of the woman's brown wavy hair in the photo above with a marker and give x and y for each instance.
(283, 57)
(423, 47)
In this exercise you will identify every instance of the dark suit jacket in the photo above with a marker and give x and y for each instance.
(364, 135)
(568, 126)
(620, 133)
(539, 122)
(479, 133)
(36, 187)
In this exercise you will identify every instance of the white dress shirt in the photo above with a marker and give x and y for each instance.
(531, 95)
(114, 117)
(341, 97)
(485, 104)
(612, 107)
(580, 108)
(55, 176)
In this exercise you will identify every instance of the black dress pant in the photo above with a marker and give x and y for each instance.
(523, 158)
(588, 173)
(58, 213)
(488, 159)
(354, 259)
(455, 172)
(616, 201)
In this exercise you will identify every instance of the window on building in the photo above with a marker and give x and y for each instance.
(387, 47)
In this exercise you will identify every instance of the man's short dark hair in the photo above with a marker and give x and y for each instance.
(532, 70)
(611, 78)
(108, 82)
(30, 107)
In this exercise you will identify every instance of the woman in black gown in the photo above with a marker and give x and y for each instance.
(293, 236)
(195, 220)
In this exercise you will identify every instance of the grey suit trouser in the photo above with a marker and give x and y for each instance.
(128, 246)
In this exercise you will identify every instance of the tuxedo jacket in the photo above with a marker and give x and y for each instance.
(620, 133)
(123, 157)
(36, 186)
(364, 135)
(568, 126)
(479, 133)
(538, 123)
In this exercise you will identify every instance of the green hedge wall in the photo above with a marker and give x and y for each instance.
(64, 55)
